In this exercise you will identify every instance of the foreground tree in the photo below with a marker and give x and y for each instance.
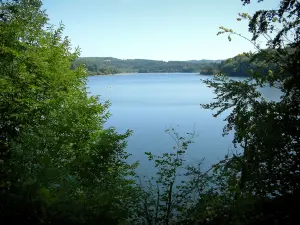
(171, 195)
(58, 164)
(268, 170)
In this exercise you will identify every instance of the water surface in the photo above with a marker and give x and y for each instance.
(148, 104)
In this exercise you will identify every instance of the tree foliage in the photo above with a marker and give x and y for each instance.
(268, 131)
(58, 163)
(109, 65)
(242, 65)
(172, 194)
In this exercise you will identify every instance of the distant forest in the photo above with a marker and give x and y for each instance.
(109, 65)
(238, 66)
(242, 65)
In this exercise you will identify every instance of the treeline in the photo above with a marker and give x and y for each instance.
(242, 65)
(109, 65)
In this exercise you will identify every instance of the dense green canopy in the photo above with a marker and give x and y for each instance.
(242, 65)
(109, 65)
(58, 164)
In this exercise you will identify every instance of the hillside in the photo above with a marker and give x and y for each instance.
(110, 65)
(242, 65)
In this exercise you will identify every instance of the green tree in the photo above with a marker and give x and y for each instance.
(268, 131)
(58, 164)
(172, 195)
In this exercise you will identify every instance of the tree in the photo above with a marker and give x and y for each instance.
(267, 131)
(169, 196)
(58, 163)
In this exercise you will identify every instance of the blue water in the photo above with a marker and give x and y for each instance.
(148, 104)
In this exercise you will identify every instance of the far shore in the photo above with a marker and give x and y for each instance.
(113, 74)
(136, 73)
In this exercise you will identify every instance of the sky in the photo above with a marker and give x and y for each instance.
(154, 29)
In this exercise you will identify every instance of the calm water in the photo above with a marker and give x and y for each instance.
(148, 104)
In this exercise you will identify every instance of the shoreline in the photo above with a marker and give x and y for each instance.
(122, 74)
(110, 74)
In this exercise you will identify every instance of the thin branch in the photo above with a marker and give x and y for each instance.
(157, 203)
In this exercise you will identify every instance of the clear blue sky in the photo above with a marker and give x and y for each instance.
(153, 29)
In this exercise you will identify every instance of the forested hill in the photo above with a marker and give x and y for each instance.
(242, 65)
(110, 65)
(239, 65)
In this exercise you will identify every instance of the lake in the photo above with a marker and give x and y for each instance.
(149, 104)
